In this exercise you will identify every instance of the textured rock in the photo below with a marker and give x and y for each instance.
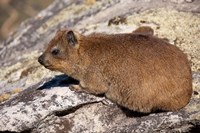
(39, 100)
(30, 107)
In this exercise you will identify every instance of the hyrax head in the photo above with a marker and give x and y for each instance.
(62, 52)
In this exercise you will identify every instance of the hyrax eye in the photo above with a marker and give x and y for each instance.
(55, 52)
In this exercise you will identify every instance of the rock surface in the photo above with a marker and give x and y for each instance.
(34, 99)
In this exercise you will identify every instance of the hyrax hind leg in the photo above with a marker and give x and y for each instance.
(146, 30)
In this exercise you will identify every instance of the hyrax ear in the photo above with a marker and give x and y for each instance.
(72, 38)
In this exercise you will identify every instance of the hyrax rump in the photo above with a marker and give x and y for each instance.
(135, 70)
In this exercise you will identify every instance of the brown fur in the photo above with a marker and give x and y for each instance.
(138, 71)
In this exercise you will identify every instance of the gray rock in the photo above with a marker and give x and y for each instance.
(32, 106)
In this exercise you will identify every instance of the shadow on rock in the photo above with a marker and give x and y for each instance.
(196, 127)
(59, 81)
(131, 113)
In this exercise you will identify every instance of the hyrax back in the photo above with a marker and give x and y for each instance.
(138, 71)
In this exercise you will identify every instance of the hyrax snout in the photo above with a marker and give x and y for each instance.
(136, 70)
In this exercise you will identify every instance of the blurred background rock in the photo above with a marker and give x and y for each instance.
(13, 12)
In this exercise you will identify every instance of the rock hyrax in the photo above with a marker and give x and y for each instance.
(135, 70)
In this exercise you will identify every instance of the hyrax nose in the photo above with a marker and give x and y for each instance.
(41, 59)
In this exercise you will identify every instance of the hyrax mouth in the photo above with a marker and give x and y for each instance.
(43, 62)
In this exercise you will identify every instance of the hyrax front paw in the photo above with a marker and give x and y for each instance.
(76, 88)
